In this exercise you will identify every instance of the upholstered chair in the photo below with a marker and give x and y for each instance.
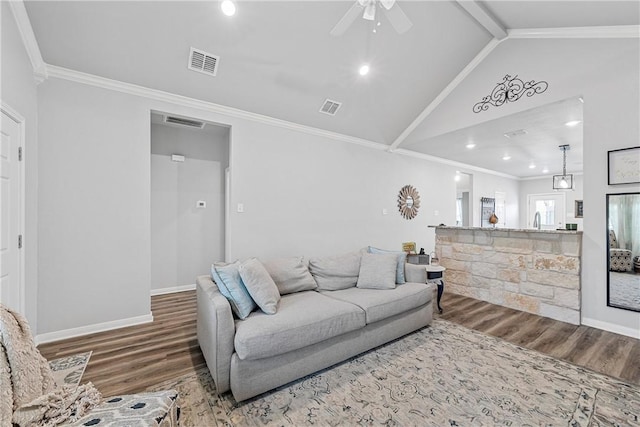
(619, 259)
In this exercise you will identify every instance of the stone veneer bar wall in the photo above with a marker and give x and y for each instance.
(528, 270)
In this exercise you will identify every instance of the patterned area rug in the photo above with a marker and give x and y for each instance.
(441, 375)
(69, 370)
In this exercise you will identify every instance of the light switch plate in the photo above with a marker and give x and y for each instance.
(201, 204)
(240, 207)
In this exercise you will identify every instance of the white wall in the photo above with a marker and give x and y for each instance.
(94, 190)
(185, 240)
(303, 194)
(606, 73)
(545, 185)
(18, 91)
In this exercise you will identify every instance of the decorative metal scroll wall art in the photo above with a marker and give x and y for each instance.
(408, 202)
(510, 90)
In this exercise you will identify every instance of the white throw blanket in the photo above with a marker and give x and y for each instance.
(28, 393)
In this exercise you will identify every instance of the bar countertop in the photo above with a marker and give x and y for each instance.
(492, 229)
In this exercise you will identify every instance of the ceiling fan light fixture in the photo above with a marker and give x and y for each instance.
(364, 69)
(228, 7)
(370, 11)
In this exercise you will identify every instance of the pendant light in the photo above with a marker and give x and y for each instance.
(564, 181)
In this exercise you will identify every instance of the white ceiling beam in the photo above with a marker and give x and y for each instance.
(29, 40)
(484, 18)
(445, 92)
(611, 32)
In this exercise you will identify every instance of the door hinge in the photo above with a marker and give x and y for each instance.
(19, 154)
(20, 241)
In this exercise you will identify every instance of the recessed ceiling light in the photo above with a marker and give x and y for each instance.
(545, 170)
(470, 145)
(364, 70)
(457, 177)
(228, 7)
(532, 166)
(506, 157)
(573, 123)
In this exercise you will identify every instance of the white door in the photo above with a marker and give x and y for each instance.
(11, 280)
(551, 206)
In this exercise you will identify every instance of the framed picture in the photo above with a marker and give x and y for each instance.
(624, 166)
(578, 208)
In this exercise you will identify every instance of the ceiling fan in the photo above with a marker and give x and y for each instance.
(368, 8)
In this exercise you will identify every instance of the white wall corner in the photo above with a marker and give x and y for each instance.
(29, 40)
(92, 329)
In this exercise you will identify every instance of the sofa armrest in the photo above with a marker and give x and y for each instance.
(216, 330)
(415, 273)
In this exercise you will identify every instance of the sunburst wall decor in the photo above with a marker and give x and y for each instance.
(408, 202)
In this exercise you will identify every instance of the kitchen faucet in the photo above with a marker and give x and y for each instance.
(537, 222)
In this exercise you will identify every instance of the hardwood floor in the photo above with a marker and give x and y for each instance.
(129, 360)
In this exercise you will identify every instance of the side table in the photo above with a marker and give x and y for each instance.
(435, 274)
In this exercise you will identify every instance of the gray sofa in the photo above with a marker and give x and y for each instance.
(312, 330)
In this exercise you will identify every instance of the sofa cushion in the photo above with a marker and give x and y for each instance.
(380, 304)
(336, 272)
(260, 285)
(231, 286)
(402, 260)
(303, 318)
(290, 274)
(377, 271)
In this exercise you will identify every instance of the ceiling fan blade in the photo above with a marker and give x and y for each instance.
(370, 12)
(388, 4)
(398, 19)
(346, 21)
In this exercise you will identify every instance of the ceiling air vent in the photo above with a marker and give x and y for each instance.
(515, 133)
(203, 62)
(183, 122)
(330, 107)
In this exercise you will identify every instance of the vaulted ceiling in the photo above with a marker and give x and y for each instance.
(278, 59)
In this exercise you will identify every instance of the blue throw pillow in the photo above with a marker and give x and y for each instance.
(402, 259)
(230, 284)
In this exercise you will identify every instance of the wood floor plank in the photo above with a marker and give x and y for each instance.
(129, 360)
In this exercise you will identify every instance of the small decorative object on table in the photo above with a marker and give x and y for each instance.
(409, 247)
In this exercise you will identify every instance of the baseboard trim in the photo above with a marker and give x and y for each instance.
(92, 329)
(611, 327)
(173, 289)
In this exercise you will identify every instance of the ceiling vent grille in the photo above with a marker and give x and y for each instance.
(515, 133)
(203, 62)
(183, 122)
(330, 107)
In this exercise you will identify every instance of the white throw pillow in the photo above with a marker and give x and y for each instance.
(290, 274)
(378, 271)
(260, 285)
(336, 272)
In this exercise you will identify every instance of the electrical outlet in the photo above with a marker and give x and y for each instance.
(436, 213)
(201, 204)
(240, 207)
(385, 212)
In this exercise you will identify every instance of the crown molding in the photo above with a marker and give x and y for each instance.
(29, 40)
(611, 32)
(458, 165)
(158, 95)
